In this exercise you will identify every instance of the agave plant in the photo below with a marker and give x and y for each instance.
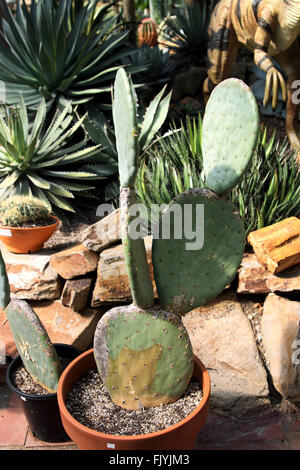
(38, 160)
(268, 193)
(60, 52)
(186, 34)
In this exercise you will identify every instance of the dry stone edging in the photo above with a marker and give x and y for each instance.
(253, 278)
(112, 282)
(76, 293)
(31, 277)
(223, 339)
(281, 339)
(74, 262)
(103, 233)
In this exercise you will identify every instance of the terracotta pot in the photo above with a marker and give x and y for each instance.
(178, 437)
(27, 240)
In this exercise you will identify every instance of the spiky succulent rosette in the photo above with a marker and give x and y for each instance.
(144, 357)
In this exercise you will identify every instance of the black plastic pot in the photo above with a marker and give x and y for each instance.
(42, 411)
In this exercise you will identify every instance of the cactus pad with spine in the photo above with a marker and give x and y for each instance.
(126, 128)
(229, 134)
(34, 346)
(144, 357)
(186, 279)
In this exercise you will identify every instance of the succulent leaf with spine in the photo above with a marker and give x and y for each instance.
(132, 344)
(4, 284)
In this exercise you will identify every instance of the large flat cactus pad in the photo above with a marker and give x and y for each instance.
(144, 357)
(34, 346)
(229, 134)
(187, 273)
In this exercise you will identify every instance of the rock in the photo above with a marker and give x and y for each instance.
(104, 233)
(254, 278)
(75, 261)
(31, 276)
(277, 246)
(112, 284)
(223, 339)
(63, 325)
(188, 83)
(281, 341)
(76, 293)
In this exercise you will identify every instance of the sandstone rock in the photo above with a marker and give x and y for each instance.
(63, 325)
(76, 293)
(75, 261)
(254, 278)
(281, 340)
(31, 276)
(277, 246)
(223, 339)
(112, 284)
(104, 233)
(6, 337)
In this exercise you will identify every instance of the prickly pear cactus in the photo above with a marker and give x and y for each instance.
(143, 354)
(34, 346)
(197, 260)
(144, 357)
(4, 284)
(229, 134)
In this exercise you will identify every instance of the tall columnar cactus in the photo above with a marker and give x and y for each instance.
(143, 352)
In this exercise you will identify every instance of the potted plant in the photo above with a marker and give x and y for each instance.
(26, 223)
(142, 352)
(34, 374)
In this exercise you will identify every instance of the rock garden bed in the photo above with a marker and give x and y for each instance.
(247, 336)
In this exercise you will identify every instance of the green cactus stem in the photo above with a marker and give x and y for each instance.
(127, 140)
(34, 346)
(144, 357)
(4, 284)
(135, 254)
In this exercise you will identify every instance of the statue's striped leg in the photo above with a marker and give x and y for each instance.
(222, 47)
(292, 69)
